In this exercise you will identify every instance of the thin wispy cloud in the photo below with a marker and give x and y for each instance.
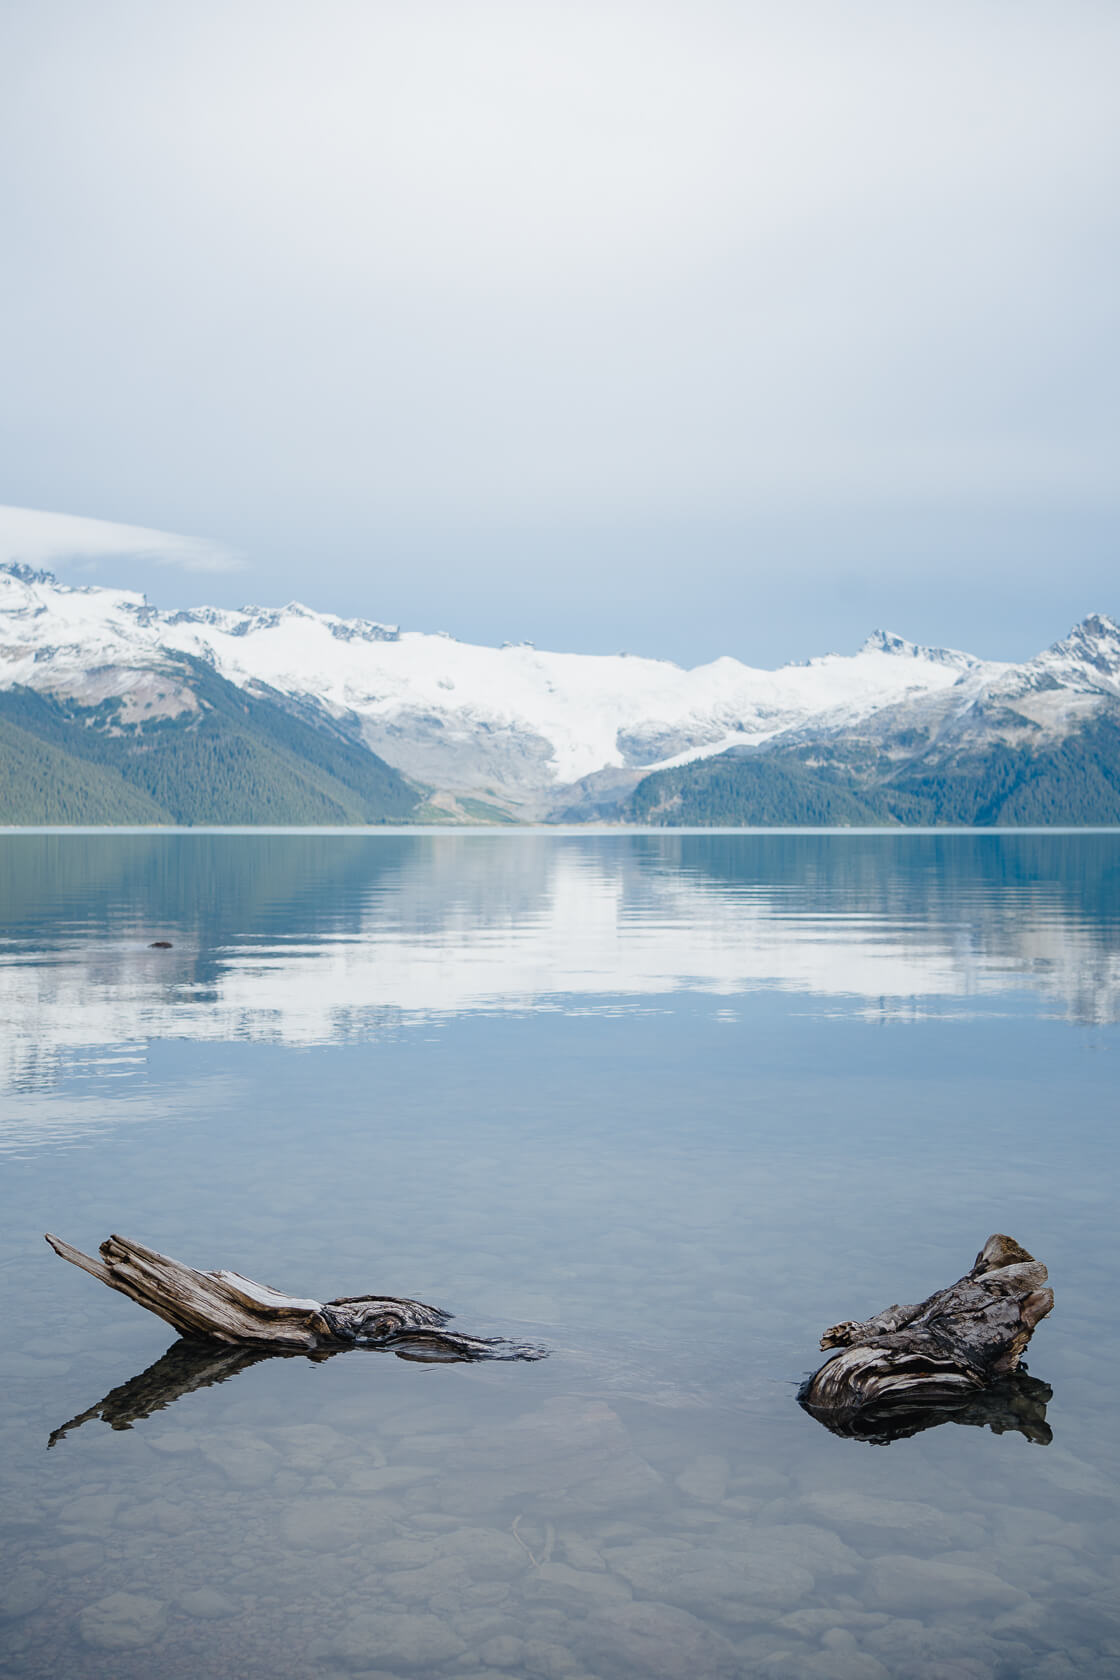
(38, 538)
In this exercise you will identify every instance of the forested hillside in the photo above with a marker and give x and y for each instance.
(239, 758)
(756, 790)
(1075, 781)
(41, 783)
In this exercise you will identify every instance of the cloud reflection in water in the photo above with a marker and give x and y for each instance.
(308, 940)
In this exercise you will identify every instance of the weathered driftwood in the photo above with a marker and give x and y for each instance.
(226, 1307)
(937, 1356)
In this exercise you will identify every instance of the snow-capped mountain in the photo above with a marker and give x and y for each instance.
(1043, 699)
(531, 731)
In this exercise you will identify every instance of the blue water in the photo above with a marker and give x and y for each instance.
(667, 1104)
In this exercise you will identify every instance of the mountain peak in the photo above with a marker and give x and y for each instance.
(1095, 641)
(1099, 627)
(35, 577)
(27, 574)
(885, 641)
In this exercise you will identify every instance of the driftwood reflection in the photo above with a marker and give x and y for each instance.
(1015, 1404)
(190, 1365)
(185, 1367)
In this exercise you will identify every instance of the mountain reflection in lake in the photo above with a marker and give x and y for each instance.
(664, 1103)
(307, 940)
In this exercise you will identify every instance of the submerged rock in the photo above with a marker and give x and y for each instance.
(23, 1591)
(162, 1514)
(331, 1524)
(705, 1479)
(576, 1589)
(122, 1621)
(505, 1650)
(569, 1454)
(77, 1557)
(871, 1518)
(655, 1642)
(395, 1640)
(917, 1585)
(92, 1513)
(732, 1586)
(207, 1604)
(246, 1461)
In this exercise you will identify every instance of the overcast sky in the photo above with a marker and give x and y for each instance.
(685, 328)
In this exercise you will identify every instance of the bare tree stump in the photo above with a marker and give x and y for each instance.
(937, 1356)
(226, 1307)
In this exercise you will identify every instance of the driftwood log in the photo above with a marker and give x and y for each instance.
(956, 1352)
(228, 1308)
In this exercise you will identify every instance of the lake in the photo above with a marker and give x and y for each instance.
(668, 1104)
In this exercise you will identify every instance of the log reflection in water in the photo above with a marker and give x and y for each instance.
(190, 1365)
(1016, 1404)
(185, 1367)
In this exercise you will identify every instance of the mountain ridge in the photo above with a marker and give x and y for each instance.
(519, 733)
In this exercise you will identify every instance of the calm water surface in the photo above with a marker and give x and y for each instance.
(669, 1104)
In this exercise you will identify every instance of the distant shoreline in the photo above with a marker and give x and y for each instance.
(561, 830)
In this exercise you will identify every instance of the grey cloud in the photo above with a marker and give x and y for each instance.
(332, 281)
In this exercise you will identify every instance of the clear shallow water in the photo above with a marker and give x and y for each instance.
(670, 1104)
